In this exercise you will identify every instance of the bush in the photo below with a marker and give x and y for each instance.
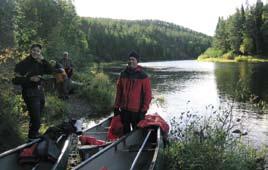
(10, 120)
(207, 144)
(97, 90)
(228, 56)
(211, 53)
(55, 110)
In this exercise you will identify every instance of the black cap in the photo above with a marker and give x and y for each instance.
(135, 55)
(36, 45)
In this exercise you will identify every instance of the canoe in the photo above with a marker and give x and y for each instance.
(98, 131)
(9, 160)
(139, 150)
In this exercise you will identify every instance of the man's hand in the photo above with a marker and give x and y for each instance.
(143, 112)
(116, 111)
(39, 58)
(35, 78)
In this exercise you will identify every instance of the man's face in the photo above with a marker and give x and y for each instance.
(65, 56)
(36, 52)
(132, 62)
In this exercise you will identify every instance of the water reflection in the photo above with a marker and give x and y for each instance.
(185, 85)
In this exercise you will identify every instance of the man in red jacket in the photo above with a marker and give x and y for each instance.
(133, 94)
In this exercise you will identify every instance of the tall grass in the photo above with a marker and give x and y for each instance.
(207, 143)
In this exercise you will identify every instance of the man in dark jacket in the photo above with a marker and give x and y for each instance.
(67, 64)
(29, 75)
(133, 94)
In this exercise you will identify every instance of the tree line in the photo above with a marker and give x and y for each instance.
(155, 40)
(243, 33)
(55, 24)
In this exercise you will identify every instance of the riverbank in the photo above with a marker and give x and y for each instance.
(232, 59)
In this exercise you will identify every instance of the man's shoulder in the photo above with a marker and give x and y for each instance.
(24, 61)
(123, 73)
(141, 74)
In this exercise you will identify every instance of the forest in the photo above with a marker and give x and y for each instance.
(243, 33)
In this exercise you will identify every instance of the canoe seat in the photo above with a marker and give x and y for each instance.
(86, 151)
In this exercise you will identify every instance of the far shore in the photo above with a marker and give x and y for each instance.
(249, 59)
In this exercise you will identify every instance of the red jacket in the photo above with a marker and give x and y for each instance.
(133, 90)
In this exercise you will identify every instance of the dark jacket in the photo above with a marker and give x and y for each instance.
(133, 90)
(66, 63)
(30, 67)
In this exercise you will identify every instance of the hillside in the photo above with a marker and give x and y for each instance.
(111, 39)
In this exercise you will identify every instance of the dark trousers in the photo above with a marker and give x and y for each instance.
(130, 119)
(35, 105)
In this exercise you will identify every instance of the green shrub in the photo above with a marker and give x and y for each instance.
(11, 115)
(228, 56)
(55, 111)
(97, 90)
(208, 144)
(212, 52)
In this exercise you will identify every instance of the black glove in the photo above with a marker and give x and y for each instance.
(116, 111)
(143, 112)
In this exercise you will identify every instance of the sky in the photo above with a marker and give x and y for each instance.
(198, 15)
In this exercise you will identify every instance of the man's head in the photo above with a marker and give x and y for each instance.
(53, 63)
(36, 50)
(65, 55)
(133, 59)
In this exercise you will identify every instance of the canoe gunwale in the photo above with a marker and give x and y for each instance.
(99, 124)
(157, 148)
(8, 152)
(140, 150)
(64, 149)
